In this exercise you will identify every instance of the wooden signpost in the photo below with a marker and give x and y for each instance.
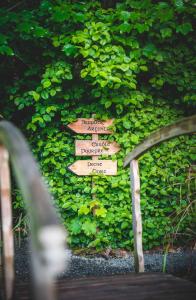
(91, 126)
(94, 167)
(94, 148)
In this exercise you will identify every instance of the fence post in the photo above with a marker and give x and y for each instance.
(6, 223)
(136, 216)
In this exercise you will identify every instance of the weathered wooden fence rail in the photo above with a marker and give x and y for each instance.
(184, 126)
(47, 235)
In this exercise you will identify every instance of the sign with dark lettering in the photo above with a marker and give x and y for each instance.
(95, 147)
(94, 167)
(91, 126)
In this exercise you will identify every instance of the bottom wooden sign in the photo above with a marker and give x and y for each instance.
(94, 167)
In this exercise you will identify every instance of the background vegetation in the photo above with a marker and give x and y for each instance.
(131, 60)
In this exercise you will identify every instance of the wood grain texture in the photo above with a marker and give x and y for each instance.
(95, 148)
(184, 126)
(94, 167)
(91, 126)
(136, 216)
(143, 286)
(6, 223)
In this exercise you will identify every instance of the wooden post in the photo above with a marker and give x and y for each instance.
(48, 237)
(6, 223)
(136, 216)
(95, 137)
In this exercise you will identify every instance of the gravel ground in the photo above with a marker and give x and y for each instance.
(181, 264)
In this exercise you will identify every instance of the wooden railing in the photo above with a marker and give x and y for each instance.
(184, 126)
(47, 236)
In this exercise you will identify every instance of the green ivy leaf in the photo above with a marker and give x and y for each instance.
(127, 124)
(125, 27)
(75, 226)
(84, 210)
(69, 49)
(185, 28)
(166, 32)
(101, 212)
(35, 95)
(46, 83)
(134, 138)
(89, 228)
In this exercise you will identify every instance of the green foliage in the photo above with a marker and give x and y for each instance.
(132, 62)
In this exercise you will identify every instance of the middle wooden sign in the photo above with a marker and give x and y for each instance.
(95, 147)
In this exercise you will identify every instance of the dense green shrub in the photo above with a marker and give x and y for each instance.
(132, 61)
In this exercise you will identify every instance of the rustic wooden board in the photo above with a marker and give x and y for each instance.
(95, 148)
(90, 126)
(94, 167)
(143, 286)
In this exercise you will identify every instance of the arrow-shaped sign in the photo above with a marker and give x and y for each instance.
(95, 147)
(94, 167)
(91, 126)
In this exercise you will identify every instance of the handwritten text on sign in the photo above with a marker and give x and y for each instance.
(92, 147)
(94, 167)
(91, 126)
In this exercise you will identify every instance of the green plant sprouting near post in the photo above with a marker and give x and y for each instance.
(165, 258)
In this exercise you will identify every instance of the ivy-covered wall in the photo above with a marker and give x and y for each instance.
(132, 61)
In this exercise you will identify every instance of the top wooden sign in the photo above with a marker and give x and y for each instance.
(91, 126)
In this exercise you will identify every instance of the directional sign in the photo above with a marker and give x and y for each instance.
(91, 126)
(95, 147)
(94, 167)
